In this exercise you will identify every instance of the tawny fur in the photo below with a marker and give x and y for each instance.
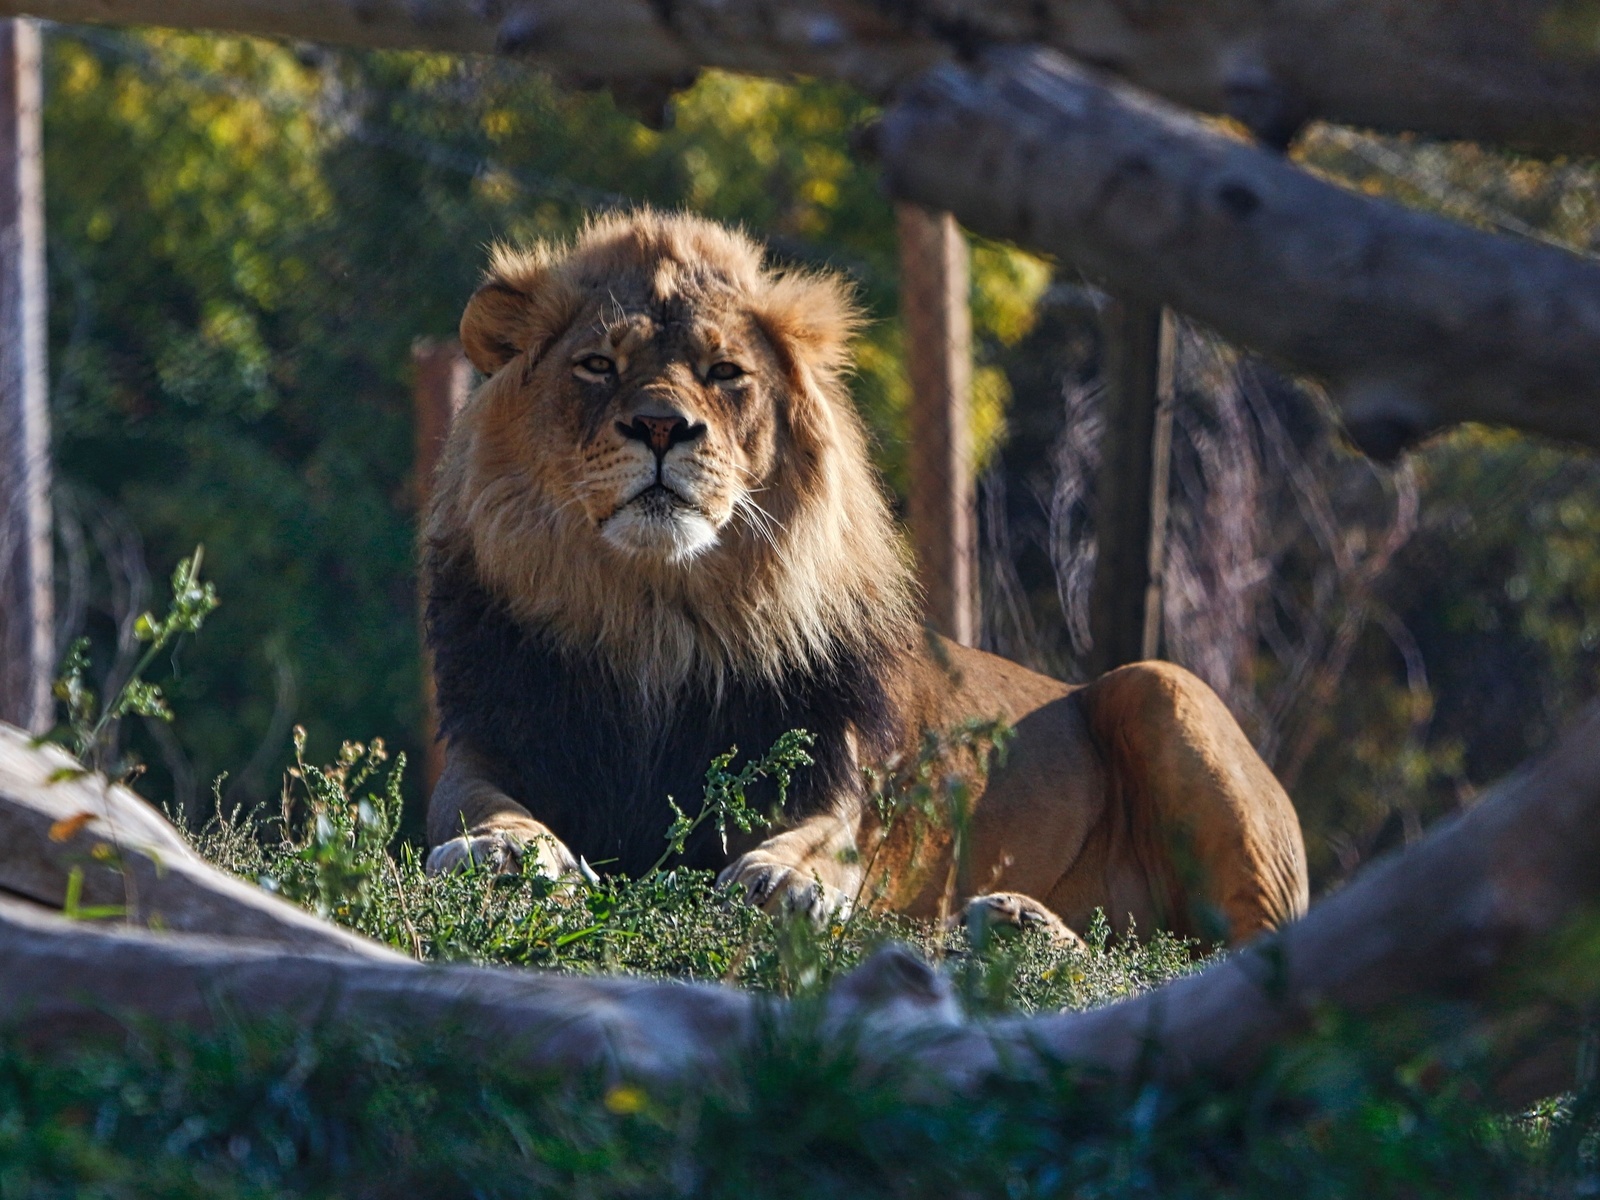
(664, 495)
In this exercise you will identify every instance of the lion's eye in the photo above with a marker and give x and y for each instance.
(724, 371)
(596, 364)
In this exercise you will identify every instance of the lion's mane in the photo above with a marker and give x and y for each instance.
(577, 674)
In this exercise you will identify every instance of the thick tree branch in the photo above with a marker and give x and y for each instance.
(64, 980)
(1415, 321)
(1518, 74)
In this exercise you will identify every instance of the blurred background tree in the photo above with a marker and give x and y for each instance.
(245, 238)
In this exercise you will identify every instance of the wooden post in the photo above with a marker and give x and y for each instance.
(1131, 492)
(441, 379)
(27, 643)
(942, 512)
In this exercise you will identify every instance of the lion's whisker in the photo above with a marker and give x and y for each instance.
(746, 499)
(759, 520)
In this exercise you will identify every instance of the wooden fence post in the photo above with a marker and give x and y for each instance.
(1131, 490)
(441, 379)
(942, 508)
(27, 642)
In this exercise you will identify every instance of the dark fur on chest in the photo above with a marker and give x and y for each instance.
(561, 735)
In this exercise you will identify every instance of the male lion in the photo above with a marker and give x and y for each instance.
(656, 534)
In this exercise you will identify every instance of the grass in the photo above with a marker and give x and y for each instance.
(331, 848)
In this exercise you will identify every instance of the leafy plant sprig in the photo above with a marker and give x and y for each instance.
(343, 845)
(724, 801)
(88, 723)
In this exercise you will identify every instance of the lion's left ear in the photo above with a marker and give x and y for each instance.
(523, 304)
(811, 319)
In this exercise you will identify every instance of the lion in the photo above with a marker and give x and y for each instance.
(656, 534)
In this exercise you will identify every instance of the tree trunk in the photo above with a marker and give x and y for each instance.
(1131, 486)
(27, 635)
(1415, 322)
(1524, 74)
(942, 507)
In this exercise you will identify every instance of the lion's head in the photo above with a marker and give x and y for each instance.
(664, 463)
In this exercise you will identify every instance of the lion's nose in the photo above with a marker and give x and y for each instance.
(660, 433)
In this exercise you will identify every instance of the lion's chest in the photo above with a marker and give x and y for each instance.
(562, 736)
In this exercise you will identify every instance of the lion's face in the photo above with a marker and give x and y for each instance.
(664, 460)
(661, 420)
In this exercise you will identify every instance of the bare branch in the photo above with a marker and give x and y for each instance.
(1415, 322)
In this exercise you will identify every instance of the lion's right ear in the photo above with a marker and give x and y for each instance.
(523, 304)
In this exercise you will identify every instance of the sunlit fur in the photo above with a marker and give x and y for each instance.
(774, 547)
(597, 639)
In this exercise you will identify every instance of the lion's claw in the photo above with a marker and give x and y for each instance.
(774, 887)
(502, 852)
(1016, 911)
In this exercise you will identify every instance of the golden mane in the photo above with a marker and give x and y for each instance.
(817, 570)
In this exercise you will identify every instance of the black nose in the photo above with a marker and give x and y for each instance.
(660, 433)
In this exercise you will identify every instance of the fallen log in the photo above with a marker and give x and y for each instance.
(1414, 322)
(1523, 74)
(62, 826)
(1449, 917)
(65, 981)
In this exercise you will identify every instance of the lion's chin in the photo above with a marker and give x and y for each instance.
(667, 533)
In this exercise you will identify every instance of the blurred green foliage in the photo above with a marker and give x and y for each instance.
(245, 239)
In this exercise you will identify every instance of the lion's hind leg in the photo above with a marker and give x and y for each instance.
(1194, 805)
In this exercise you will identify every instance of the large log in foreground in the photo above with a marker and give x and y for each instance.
(1523, 74)
(62, 827)
(1415, 322)
(1446, 918)
(64, 981)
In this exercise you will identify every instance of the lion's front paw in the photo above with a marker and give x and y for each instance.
(492, 850)
(1012, 910)
(777, 887)
(501, 851)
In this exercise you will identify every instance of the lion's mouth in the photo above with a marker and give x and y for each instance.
(658, 521)
(658, 500)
